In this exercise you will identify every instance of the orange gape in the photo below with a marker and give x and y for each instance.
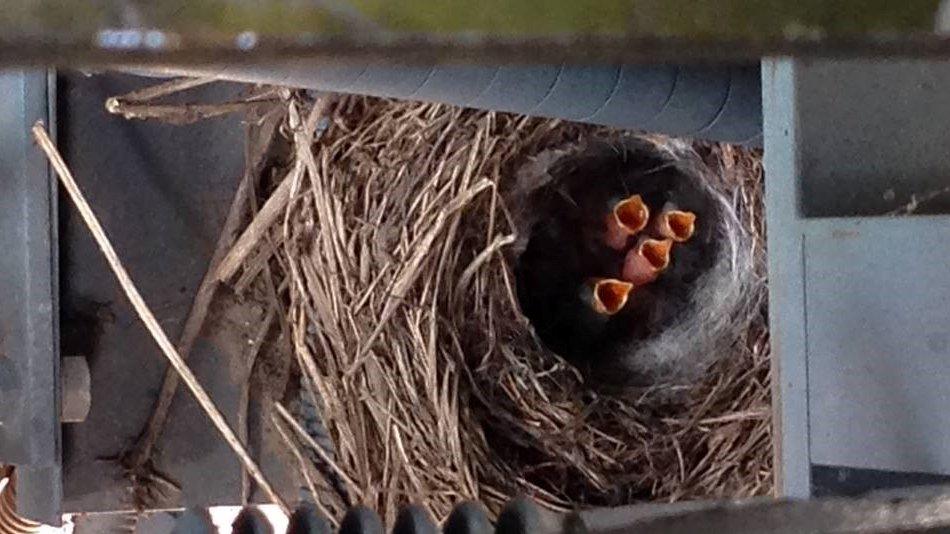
(626, 218)
(608, 296)
(646, 260)
(674, 224)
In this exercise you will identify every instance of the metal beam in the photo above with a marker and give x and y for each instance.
(29, 314)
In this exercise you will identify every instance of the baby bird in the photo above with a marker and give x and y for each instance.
(613, 248)
(646, 260)
(672, 223)
(606, 296)
(625, 219)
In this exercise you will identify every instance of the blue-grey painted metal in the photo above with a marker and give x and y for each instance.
(786, 277)
(720, 103)
(29, 316)
(859, 305)
(873, 134)
(139, 177)
(877, 300)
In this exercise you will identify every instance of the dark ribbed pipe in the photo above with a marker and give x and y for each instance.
(719, 103)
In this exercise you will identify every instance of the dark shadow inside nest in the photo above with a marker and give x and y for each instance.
(565, 220)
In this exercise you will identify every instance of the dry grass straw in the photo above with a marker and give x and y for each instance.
(141, 104)
(406, 328)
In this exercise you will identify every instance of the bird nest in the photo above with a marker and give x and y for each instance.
(641, 222)
(395, 269)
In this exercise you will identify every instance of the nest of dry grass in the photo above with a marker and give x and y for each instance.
(390, 263)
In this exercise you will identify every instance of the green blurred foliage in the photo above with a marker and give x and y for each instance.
(770, 19)
(749, 19)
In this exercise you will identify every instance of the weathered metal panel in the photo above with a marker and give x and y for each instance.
(786, 278)
(29, 337)
(878, 305)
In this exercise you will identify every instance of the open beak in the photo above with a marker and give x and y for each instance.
(674, 224)
(646, 260)
(608, 296)
(626, 218)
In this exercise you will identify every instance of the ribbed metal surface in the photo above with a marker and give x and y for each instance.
(719, 103)
(911, 510)
(520, 516)
(10, 522)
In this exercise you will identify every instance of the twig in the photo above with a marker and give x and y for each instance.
(141, 454)
(308, 439)
(148, 318)
(243, 404)
(156, 422)
(270, 211)
(259, 226)
(136, 105)
(159, 90)
(182, 113)
(915, 201)
(193, 324)
(304, 469)
(497, 244)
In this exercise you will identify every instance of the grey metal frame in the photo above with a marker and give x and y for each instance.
(29, 314)
(786, 278)
(857, 181)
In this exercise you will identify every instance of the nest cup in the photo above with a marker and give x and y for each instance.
(398, 251)
(671, 329)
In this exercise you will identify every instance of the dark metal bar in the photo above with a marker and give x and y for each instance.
(29, 321)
